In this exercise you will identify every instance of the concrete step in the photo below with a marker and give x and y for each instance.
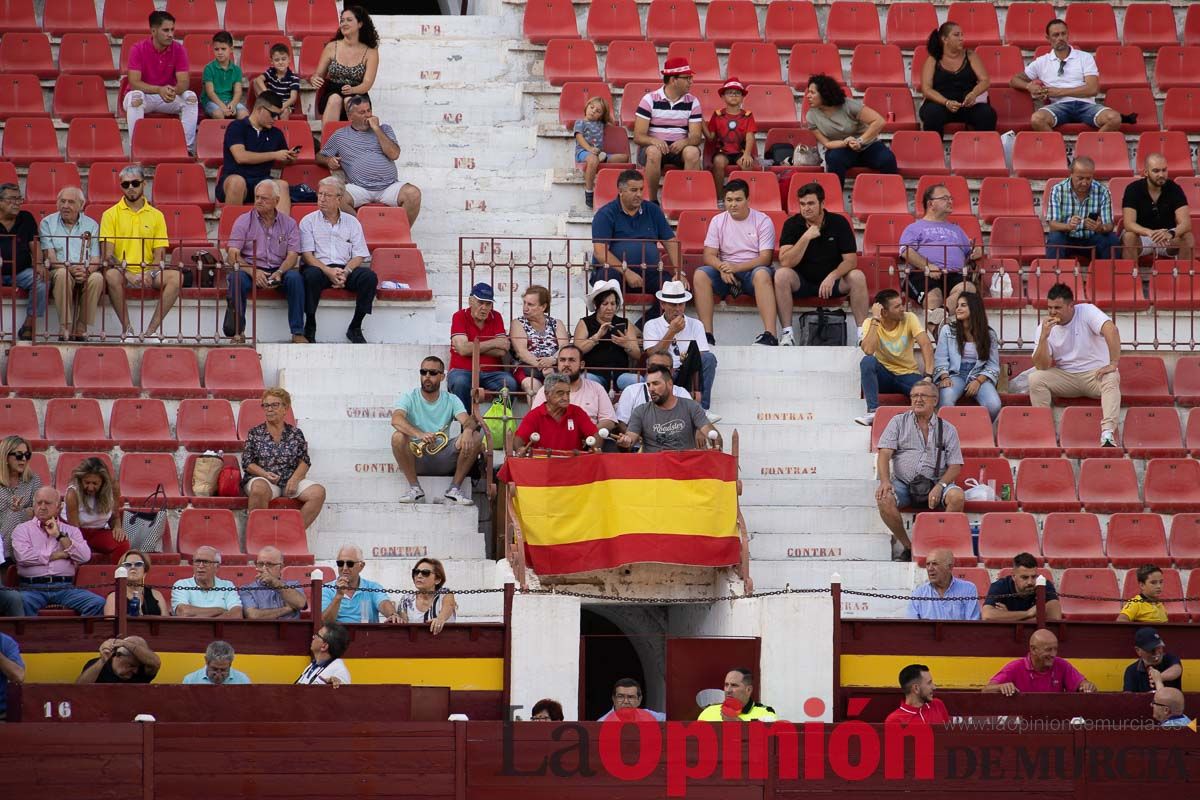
(343, 521)
(820, 547)
(277, 356)
(882, 577)
(426, 530)
(805, 466)
(792, 360)
(792, 409)
(747, 384)
(780, 439)
(372, 482)
(767, 492)
(813, 519)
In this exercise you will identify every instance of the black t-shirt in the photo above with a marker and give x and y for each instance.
(1136, 679)
(25, 229)
(1151, 214)
(824, 253)
(607, 357)
(108, 676)
(242, 132)
(1020, 602)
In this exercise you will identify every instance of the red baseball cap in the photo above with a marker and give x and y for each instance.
(732, 83)
(677, 68)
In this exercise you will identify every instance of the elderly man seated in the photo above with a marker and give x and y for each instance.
(1155, 667)
(204, 594)
(70, 243)
(265, 247)
(218, 667)
(937, 251)
(592, 397)
(677, 334)
(127, 660)
(556, 424)
(944, 596)
(271, 597)
(353, 598)
(1040, 671)
(47, 551)
(668, 422)
(478, 323)
(1167, 709)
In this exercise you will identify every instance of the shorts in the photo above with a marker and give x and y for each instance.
(582, 156)
(1065, 112)
(389, 196)
(668, 159)
(1150, 248)
(808, 289)
(442, 463)
(210, 107)
(732, 158)
(919, 283)
(722, 289)
(276, 491)
(250, 184)
(904, 499)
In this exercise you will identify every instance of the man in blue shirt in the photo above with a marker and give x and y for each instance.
(353, 598)
(218, 667)
(625, 237)
(252, 146)
(944, 596)
(12, 668)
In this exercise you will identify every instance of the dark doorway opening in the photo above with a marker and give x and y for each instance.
(608, 655)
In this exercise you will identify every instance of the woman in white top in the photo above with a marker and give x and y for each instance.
(432, 603)
(327, 667)
(93, 504)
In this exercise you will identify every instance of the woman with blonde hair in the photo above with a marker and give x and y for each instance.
(141, 600)
(536, 337)
(275, 460)
(93, 504)
(18, 482)
(432, 603)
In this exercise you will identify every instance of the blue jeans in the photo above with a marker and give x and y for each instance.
(745, 279)
(11, 604)
(292, 285)
(37, 596)
(877, 378)
(708, 375)
(876, 156)
(624, 380)
(458, 382)
(37, 299)
(987, 396)
(1060, 245)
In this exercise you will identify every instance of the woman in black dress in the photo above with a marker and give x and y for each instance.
(953, 80)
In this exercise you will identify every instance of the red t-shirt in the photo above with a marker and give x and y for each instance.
(932, 713)
(567, 433)
(730, 132)
(463, 324)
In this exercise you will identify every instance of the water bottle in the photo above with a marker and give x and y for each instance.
(133, 606)
(366, 611)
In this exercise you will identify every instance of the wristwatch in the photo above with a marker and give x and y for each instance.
(944, 486)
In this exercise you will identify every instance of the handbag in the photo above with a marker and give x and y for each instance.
(499, 419)
(1001, 285)
(806, 156)
(229, 482)
(144, 523)
(822, 328)
(920, 486)
(205, 474)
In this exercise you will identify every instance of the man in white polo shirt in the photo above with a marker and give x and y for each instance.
(676, 334)
(1068, 81)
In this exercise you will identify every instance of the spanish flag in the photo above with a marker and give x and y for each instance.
(601, 511)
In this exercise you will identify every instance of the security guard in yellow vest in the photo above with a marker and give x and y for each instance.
(739, 685)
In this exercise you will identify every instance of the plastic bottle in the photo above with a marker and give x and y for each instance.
(133, 606)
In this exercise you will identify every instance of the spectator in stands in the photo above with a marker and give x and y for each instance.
(627, 697)
(953, 79)
(818, 257)
(920, 707)
(890, 363)
(432, 602)
(739, 686)
(12, 669)
(348, 64)
(251, 147)
(1014, 598)
(264, 245)
(223, 81)
(271, 597)
(18, 243)
(275, 460)
(848, 129)
(919, 458)
(421, 440)
(937, 252)
(127, 660)
(1068, 80)
(18, 484)
(684, 338)
(639, 393)
(47, 553)
(204, 595)
(738, 252)
(218, 667)
(1079, 215)
(70, 242)
(1157, 219)
(141, 599)
(93, 504)
(1167, 709)
(1155, 668)
(1077, 354)
(606, 339)
(626, 234)
(668, 127)
(157, 82)
(133, 242)
(536, 337)
(587, 395)
(366, 150)
(559, 424)
(353, 598)
(1145, 606)
(478, 323)
(1040, 671)
(731, 133)
(281, 80)
(327, 668)
(589, 144)
(960, 366)
(546, 711)
(335, 251)
(668, 422)
(944, 596)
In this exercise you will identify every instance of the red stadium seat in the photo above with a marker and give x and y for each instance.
(729, 21)
(828, 182)
(986, 470)
(920, 56)
(1013, 108)
(18, 15)
(1108, 150)
(1181, 110)
(104, 188)
(102, 372)
(672, 20)
(171, 372)
(1079, 433)
(1171, 485)
(198, 47)
(195, 16)
(181, 184)
(310, 18)
(754, 62)
(207, 527)
(1149, 26)
(63, 17)
(256, 53)
(282, 528)
(1185, 540)
(1144, 381)
(988, 268)
(189, 465)
(877, 65)
(80, 96)
(210, 141)
(883, 415)
(137, 424)
(67, 462)
(629, 61)
(764, 189)
(974, 428)
(1108, 485)
(250, 414)
(1047, 484)
(401, 265)
(1134, 100)
(296, 174)
(878, 194)
(575, 95)
(702, 56)
(571, 60)
(881, 237)
(1027, 433)
(895, 104)
(298, 133)
(87, 53)
(1172, 145)
(233, 372)
(1172, 583)
(1077, 584)
(1001, 535)
(29, 139)
(977, 154)
(185, 224)
(143, 473)
(1073, 540)
(311, 48)
(544, 20)
(1018, 237)
(229, 215)
(19, 417)
(606, 187)
(955, 184)
(1116, 286)
(1001, 61)
(685, 190)
(21, 95)
(773, 106)
(37, 372)
(27, 53)
(1176, 66)
(46, 178)
(1045, 272)
(1191, 24)
(609, 20)
(384, 226)
(246, 17)
(75, 424)
(978, 21)
(790, 22)
(692, 228)
(94, 139)
(1025, 24)
(919, 153)
(976, 575)
(1121, 65)
(1191, 435)
(809, 59)
(1092, 25)
(1039, 155)
(852, 23)
(1187, 381)
(908, 24)
(1136, 539)
(933, 530)
(122, 19)
(631, 95)
(1005, 197)
(969, 224)
(207, 425)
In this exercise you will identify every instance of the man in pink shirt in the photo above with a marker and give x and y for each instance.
(157, 82)
(1040, 671)
(920, 707)
(588, 395)
(47, 551)
(738, 252)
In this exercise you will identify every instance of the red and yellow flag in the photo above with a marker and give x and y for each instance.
(601, 511)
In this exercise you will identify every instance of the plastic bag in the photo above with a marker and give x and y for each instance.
(978, 492)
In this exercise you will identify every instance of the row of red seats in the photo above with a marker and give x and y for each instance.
(241, 17)
(850, 23)
(870, 64)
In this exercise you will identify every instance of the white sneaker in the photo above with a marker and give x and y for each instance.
(1108, 439)
(455, 495)
(787, 340)
(415, 494)
(713, 419)
(866, 419)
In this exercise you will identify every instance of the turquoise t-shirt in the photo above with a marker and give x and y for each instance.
(223, 80)
(353, 608)
(430, 417)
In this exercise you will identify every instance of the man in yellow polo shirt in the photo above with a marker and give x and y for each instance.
(889, 363)
(134, 233)
(739, 689)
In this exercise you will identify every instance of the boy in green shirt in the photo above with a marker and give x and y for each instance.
(223, 81)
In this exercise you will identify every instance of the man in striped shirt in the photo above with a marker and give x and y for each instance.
(669, 126)
(1079, 215)
(366, 151)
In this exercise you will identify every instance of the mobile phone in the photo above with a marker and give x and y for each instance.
(296, 149)
(1095, 215)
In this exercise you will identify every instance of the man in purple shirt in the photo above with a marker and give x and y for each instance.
(265, 246)
(47, 552)
(1040, 671)
(936, 250)
(157, 82)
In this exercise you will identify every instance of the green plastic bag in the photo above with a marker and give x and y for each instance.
(499, 419)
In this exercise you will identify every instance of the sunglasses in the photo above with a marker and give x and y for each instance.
(133, 564)
(21, 456)
(345, 563)
(130, 184)
(424, 573)
(430, 372)
(276, 114)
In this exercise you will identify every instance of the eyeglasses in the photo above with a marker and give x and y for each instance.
(130, 184)
(942, 197)
(320, 636)
(1160, 705)
(922, 396)
(424, 573)
(22, 456)
(430, 372)
(272, 405)
(134, 564)
(268, 564)
(345, 563)
(12, 198)
(203, 562)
